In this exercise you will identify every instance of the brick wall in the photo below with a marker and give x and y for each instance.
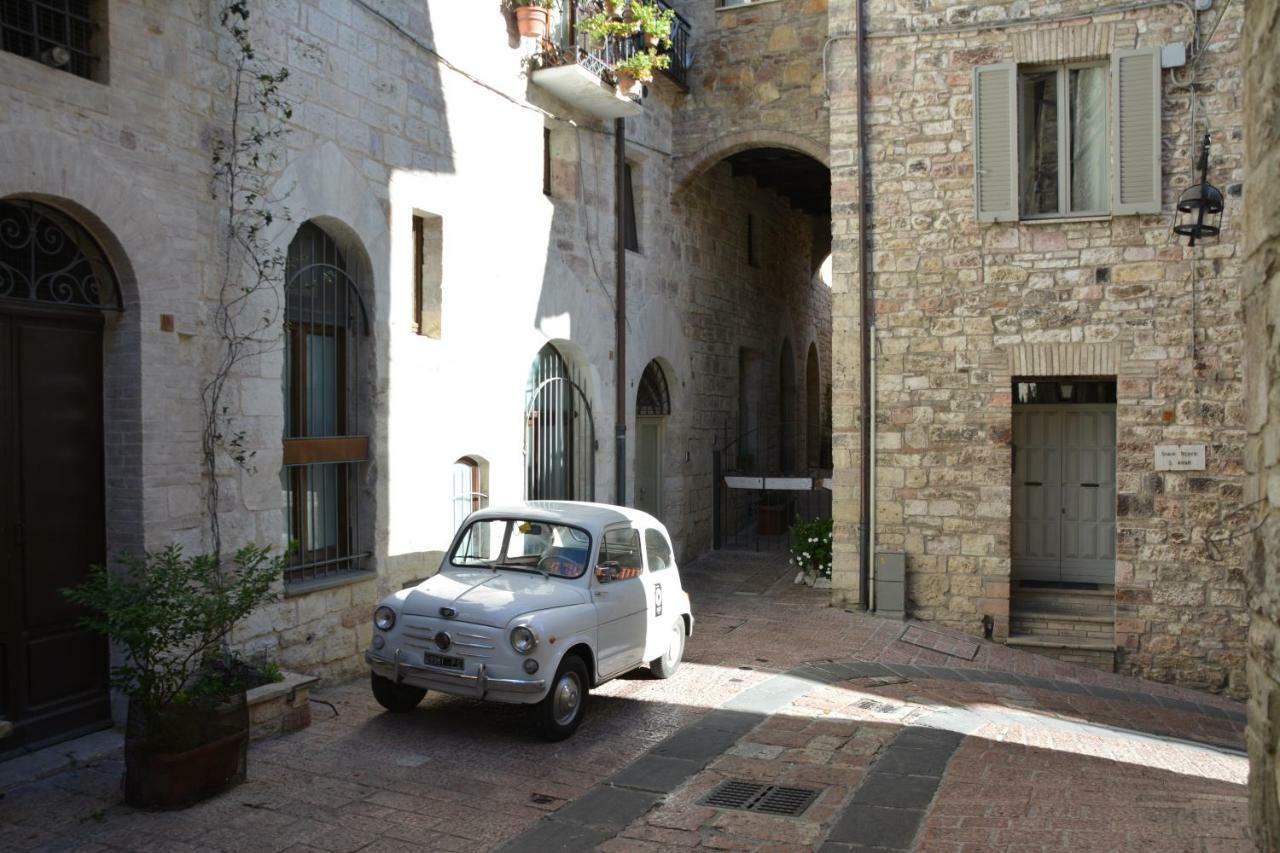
(959, 304)
(1261, 49)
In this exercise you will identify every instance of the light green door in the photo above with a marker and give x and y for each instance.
(649, 465)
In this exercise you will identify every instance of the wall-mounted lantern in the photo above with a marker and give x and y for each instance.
(1200, 205)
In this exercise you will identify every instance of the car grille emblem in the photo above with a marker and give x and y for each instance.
(443, 641)
(448, 612)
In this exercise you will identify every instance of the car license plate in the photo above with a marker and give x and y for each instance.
(442, 661)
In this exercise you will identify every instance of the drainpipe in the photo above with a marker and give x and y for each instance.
(866, 297)
(620, 313)
(871, 467)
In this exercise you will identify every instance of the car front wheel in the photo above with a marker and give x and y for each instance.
(397, 698)
(561, 711)
(666, 666)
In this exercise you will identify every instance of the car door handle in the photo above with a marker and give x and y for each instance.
(601, 592)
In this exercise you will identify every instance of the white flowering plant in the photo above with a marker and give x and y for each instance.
(811, 547)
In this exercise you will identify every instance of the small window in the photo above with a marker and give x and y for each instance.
(470, 488)
(659, 551)
(546, 161)
(1068, 140)
(1062, 139)
(632, 229)
(621, 545)
(59, 33)
(753, 241)
(428, 274)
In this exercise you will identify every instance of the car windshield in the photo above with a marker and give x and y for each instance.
(556, 550)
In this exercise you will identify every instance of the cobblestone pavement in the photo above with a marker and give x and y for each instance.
(943, 743)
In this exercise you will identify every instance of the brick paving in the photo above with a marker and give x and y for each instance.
(1040, 755)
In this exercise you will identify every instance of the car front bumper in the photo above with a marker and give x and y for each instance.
(478, 686)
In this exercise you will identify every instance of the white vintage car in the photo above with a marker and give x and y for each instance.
(535, 603)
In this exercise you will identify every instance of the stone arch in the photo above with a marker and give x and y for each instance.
(689, 167)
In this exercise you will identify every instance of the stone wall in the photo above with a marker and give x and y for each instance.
(960, 304)
(1261, 251)
(381, 131)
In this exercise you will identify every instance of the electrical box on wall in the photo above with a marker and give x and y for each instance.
(1173, 55)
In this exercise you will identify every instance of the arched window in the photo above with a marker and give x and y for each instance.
(813, 408)
(652, 398)
(324, 443)
(559, 445)
(787, 414)
(470, 488)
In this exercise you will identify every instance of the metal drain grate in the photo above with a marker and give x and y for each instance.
(765, 799)
(876, 707)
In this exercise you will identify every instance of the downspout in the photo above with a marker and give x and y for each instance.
(865, 298)
(871, 467)
(620, 313)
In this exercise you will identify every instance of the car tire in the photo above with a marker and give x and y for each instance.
(562, 709)
(666, 666)
(396, 698)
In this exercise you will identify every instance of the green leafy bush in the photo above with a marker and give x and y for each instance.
(171, 615)
(811, 547)
(642, 64)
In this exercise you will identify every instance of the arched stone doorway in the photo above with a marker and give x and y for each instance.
(653, 407)
(55, 285)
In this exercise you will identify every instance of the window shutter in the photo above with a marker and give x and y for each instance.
(1135, 91)
(995, 142)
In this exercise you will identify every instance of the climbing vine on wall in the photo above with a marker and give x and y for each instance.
(245, 322)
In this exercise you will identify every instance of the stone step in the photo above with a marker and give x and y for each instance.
(1064, 601)
(1059, 641)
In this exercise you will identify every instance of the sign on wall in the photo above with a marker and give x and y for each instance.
(1180, 457)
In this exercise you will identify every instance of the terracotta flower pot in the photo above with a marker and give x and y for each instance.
(627, 84)
(182, 755)
(532, 21)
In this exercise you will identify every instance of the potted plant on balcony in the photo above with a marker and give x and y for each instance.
(533, 17)
(653, 21)
(188, 726)
(638, 68)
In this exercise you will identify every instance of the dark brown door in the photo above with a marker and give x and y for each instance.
(53, 673)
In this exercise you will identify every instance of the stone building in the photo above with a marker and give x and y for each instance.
(441, 329)
(1261, 254)
(1059, 419)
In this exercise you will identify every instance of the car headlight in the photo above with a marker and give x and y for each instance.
(523, 640)
(385, 618)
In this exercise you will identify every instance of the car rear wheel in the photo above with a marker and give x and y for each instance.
(561, 711)
(666, 666)
(396, 698)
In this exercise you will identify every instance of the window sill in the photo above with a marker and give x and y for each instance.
(741, 6)
(1065, 220)
(301, 588)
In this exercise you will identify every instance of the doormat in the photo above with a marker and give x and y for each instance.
(956, 647)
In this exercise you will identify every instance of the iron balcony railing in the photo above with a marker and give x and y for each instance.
(570, 45)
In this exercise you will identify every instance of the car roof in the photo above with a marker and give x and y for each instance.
(593, 516)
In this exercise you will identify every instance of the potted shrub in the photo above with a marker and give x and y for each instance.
(533, 17)
(811, 552)
(188, 727)
(638, 68)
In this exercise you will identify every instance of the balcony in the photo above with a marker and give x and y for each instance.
(581, 74)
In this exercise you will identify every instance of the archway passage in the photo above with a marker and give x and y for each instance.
(653, 406)
(787, 414)
(802, 180)
(55, 284)
(812, 409)
(559, 438)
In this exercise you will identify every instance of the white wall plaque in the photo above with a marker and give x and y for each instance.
(1180, 457)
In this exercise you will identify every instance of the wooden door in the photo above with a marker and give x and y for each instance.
(53, 681)
(1064, 493)
(649, 465)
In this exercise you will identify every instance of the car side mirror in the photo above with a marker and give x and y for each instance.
(607, 572)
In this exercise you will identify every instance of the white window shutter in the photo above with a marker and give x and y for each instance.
(995, 142)
(1135, 92)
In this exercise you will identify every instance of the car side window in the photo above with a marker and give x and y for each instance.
(658, 550)
(621, 545)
